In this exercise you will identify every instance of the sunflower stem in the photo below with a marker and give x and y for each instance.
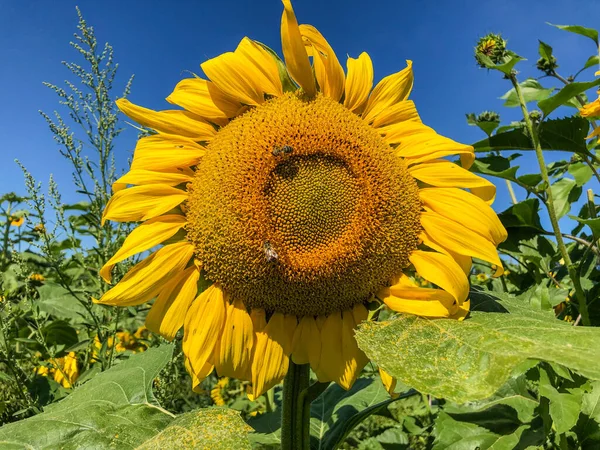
(294, 420)
(550, 204)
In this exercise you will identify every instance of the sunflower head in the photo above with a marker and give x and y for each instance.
(493, 46)
(285, 197)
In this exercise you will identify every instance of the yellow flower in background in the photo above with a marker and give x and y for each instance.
(37, 277)
(481, 277)
(592, 110)
(64, 370)
(301, 192)
(216, 392)
(17, 221)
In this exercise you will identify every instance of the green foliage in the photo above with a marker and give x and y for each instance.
(471, 360)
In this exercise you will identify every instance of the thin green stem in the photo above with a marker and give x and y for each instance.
(550, 204)
(294, 421)
(511, 192)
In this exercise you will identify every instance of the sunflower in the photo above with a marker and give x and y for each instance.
(17, 221)
(300, 195)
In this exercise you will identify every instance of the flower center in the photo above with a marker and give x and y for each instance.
(300, 207)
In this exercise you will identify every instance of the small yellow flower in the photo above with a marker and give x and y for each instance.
(17, 221)
(37, 277)
(568, 319)
(68, 364)
(42, 371)
(216, 393)
(39, 228)
(481, 277)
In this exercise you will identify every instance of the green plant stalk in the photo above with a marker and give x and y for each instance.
(550, 205)
(511, 191)
(294, 421)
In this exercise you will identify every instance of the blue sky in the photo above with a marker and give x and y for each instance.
(159, 41)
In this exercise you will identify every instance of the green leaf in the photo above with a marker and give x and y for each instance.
(564, 406)
(57, 301)
(565, 94)
(545, 50)
(581, 172)
(496, 166)
(532, 91)
(544, 298)
(589, 423)
(587, 32)
(514, 393)
(593, 60)
(451, 434)
(594, 224)
(337, 411)
(115, 409)
(59, 332)
(524, 214)
(471, 359)
(211, 428)
(506, 67)
(566, 134)
(561, 194)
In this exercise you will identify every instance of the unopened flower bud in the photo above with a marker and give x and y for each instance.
(547, 66)
(493, 46)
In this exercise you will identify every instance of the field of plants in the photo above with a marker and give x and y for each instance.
(519, 370)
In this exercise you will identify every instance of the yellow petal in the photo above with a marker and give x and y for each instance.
(144, 237)
(465, 262)
(180, 123)
(141, 176)
(296, 58)
(594, 133)
(168, 311)
(270, 362)
(332, 359)
(145, 280)
(389, 382)
(203, 98)
(142, 203)
(442, 271)
(233, 353)
(389, 91)
(306, 344)
(460, 239)
(265, 70)
(202, 328)
(418, 143)
(197, 378)
(166, 152)
(404, 111)
(232, 74)
(354, 358)
(328, 71)
(360, 313)
(591, 109)
(466, 209)
(447, 174)
(419, 301)
(359, 82)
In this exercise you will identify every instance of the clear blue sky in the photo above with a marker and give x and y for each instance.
(159, 41)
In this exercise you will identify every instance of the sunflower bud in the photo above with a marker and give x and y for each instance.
(493, 46)
(547, 66)
(535, 116)
(488, 116)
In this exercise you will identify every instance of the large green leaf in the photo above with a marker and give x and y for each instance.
(589, 421)
(564, 406)
(496, 166)
(532, 91)
(562, 194)
(209, 428)
(566, 134)
(452, 434)
(115, 409)
(469, 360)
(337, 411)
(57, 301)
(565, 94)
(581, 172)
(578, 29)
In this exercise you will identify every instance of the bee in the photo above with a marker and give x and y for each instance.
(270, 253)
(285, 150)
